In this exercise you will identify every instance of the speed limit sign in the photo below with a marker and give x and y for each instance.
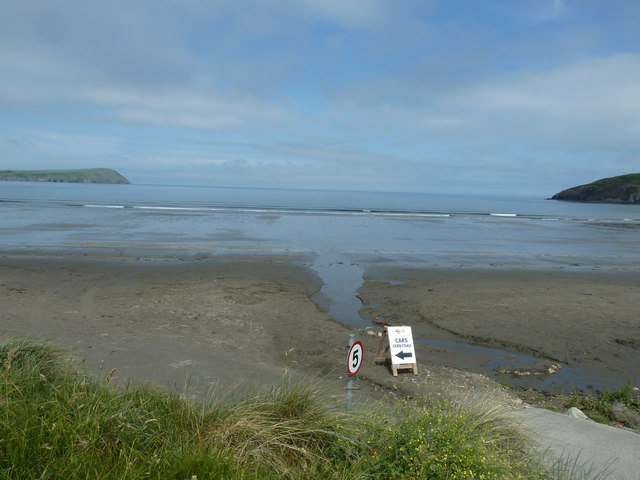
(354, 358)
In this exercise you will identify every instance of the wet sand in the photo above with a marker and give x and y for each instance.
(242, 321)
(585, 323)
(205, 324)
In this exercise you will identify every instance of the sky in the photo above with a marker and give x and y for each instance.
(446, 96)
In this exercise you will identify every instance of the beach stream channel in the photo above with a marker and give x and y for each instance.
(338, 297)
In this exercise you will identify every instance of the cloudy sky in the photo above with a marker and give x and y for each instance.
(486, 96)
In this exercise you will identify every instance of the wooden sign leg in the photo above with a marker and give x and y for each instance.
(383, 348)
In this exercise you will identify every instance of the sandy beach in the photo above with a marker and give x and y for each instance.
(242, 321)
(584, 325)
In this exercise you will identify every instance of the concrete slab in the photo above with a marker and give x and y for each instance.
(592, 447)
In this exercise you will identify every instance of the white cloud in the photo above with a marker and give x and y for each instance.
(593, 90)
(331, 155)
(592, 105)
(554, 10)
(43, 141)
(182, 107)
(351, 13)
(557, 105)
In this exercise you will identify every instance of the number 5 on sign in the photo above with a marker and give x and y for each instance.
(354, 358)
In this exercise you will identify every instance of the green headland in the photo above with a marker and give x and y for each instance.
(620, 189)
(87, 175)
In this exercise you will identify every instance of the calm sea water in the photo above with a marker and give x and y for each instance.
(432, 229)
(338, 234)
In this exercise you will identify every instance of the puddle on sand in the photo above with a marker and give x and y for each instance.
(567, 379)
(391, 282)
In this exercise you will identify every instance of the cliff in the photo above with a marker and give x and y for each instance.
(88, 175)
(620, 189)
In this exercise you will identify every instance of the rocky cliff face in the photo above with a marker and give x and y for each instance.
(622, 189)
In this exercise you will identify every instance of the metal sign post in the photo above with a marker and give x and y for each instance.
(354, 362)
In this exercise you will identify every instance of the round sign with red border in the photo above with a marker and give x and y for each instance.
(354, 358)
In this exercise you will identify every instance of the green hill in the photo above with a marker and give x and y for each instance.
(88, 175)
(620, 189)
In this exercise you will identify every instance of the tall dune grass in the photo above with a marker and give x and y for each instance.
(57, 423)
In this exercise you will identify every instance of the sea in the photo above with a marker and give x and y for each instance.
(339, 234)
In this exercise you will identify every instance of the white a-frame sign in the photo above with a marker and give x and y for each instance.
(401, 348)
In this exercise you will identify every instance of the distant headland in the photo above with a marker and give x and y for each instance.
(86, 175)
(620, 189)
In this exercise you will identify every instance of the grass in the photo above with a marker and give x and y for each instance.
(598, 408)
(57, 423)
(631, 178)
(450, 440)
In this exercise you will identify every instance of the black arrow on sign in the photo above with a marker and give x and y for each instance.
(402, 355)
